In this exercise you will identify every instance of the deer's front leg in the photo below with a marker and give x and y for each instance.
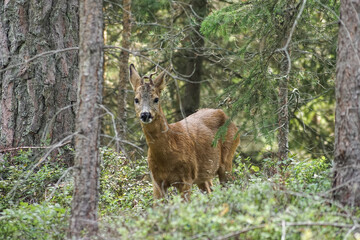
(159, 190)
(184, 189)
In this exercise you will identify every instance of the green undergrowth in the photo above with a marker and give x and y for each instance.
(258, 212)
(270, 200)
(34, 221)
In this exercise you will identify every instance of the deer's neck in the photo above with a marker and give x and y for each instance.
(157, 131)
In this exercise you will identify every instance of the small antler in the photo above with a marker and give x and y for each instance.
(150, 76)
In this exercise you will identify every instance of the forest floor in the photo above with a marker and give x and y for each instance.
(259, 203)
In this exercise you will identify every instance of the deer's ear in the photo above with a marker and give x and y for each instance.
(135, 79)
(160, 81)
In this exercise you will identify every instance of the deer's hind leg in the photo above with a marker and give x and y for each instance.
(205, 186)
(184, 189)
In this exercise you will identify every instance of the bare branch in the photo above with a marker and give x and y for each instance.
(286, 46)
(43, 54)
(33, 147)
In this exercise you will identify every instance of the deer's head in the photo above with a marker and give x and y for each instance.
(147, 94)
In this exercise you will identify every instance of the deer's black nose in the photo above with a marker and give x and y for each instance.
(145, 116)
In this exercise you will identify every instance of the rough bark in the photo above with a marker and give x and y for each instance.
(283, 118)
(83, 221)
(124, 69)
(37, 98)
(346, 180)
(191, 97)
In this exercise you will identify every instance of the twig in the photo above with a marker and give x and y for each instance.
(58, 183)
(42, 159)
(134, 53)
(284, 224)
(237, 233)
(114, 127)
(38, 56)
(332, 202)
(32, 147)
(123, 141)
(283, 234)
(286, 46)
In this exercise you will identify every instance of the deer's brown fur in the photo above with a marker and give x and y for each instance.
(181, 154)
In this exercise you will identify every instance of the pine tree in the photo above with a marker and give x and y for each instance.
(257, 32)
(347, 120)
(84, 211)
(39, 71)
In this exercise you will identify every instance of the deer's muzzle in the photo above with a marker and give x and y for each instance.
(146, 117)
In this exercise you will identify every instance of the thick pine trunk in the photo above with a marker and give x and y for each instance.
(347, 116)
(37, 98)
(83, 221)
(191, 97)
(124, 70)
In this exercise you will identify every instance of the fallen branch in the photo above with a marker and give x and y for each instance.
(285, 224)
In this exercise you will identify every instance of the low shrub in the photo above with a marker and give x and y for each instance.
(24, 179)
(261, 202)
(124, 184)
(257, 212)
(34, 221)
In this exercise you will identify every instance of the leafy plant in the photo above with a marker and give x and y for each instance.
(34, 221)
(309, 174)
(124, 184)
(258, 211)
(20, 181)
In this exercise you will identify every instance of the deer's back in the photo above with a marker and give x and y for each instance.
(204, 120)
(201, 128)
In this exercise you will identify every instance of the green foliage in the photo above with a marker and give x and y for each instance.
(124, 184)
(309, 175)
(309, 171)
(34, 221)
(255, 31)
(22, 181)
(256, 204)
(147, 11)
(259, 207)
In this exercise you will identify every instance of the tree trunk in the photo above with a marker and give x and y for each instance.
(83, 221)
(284, 29)
(37, 98)
(283, 117)
(346, 180)
(191, 97)
(124, 71)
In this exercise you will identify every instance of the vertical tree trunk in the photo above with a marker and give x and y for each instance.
(346, 181)
(285, 27)
(83, 221)
(191, 97)
(124, 69)
(283, 114)
(37, 98)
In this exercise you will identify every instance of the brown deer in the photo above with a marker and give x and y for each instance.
(181, 154)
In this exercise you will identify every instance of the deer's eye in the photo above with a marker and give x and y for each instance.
(156, 100)
(136, 100)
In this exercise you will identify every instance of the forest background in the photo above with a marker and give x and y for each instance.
(271, 65)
